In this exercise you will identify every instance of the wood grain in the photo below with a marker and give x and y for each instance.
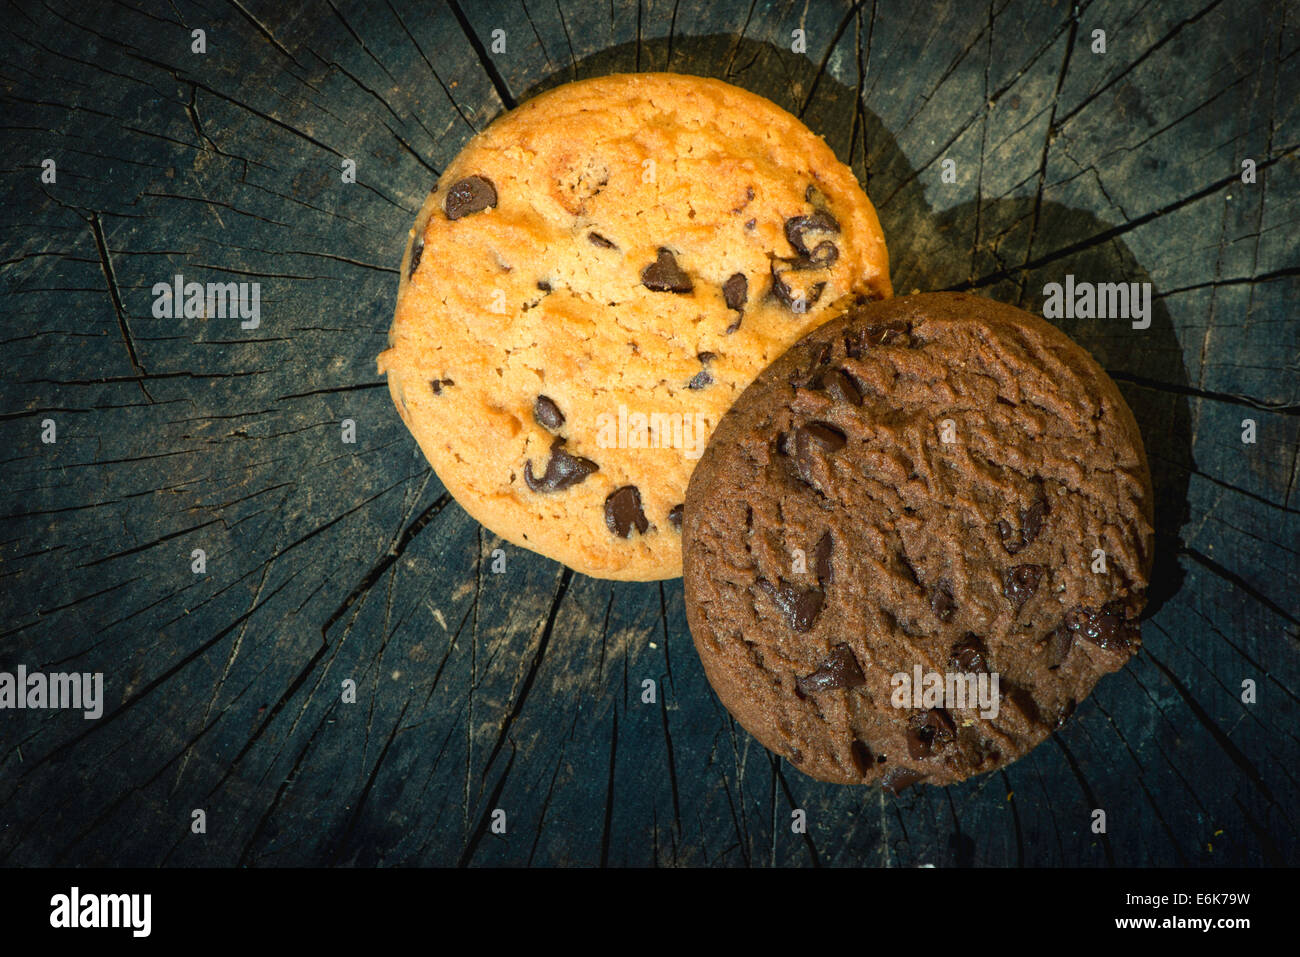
(522, 691)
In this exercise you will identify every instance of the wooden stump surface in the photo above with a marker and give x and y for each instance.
(328, 561)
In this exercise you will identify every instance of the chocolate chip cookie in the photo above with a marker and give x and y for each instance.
(595, 278)
(922, 496)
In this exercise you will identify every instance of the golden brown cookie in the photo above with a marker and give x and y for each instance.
(920, 497)
(595, 278)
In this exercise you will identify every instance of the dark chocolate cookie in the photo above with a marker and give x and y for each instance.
(917, 540)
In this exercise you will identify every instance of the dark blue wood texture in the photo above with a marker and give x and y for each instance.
(521, 691)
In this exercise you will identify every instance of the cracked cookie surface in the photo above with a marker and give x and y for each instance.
(924, 482)
(623, 247)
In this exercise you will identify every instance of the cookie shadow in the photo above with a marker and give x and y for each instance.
(1005, 248)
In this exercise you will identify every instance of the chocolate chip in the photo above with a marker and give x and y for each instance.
(800, 606)
(969, 656)
(749, 198)
(664, 275)
(547, 413)
(941, 600)
(1020, 584)
(802, 303)
(1108, 628)
(891, 334)
(623, 512)
(1031, 523)
(543, 285)
(1021, 700)
(824, 254)
(819, 434)
(750, 223)
(839, 669)
(703, 377)
(417, 251)
(1031, 519)
(929, 732)
(596, 239)
(472, 194)
(841, 388)
(862, 759)
(736, 291)
(675, 517)
(945, 729)
(797, 228)
(899, 780)
(822, 559)
(438, 384)
(1011, 540)
(795, 301)
(807, 441)
(814, 436)
(811, 375)
(562, 470)
(895, 332)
